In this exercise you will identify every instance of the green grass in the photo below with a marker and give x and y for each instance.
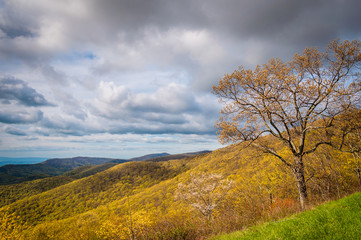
(334, 220)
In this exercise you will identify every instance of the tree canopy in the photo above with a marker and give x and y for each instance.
(291, 100)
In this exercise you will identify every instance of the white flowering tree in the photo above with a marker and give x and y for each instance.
(204, 192)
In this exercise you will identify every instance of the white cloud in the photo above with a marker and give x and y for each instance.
(173, 108)
(113, 100)
(111, 94)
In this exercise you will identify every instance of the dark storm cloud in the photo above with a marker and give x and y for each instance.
(259, 19)
(245, 19)
(14, 131)
(131, 17)
(249, 32)
(18, 90)
(293, 20)
(20, 117)
(278, 27)
(13, 24)
(15, 31)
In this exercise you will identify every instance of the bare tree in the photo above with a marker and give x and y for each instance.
(290, 102)
(204, 192)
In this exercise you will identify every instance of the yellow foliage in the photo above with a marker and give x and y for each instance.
(262, 189)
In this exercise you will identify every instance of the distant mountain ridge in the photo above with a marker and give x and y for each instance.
(17, 173)
(176, 156)
(30, 160)
(72, 163)
(149, 156)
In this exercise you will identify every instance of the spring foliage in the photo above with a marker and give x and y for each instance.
(204, 192)
(290, 101)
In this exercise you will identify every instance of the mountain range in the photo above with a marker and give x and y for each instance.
(26, 160)
(17, 173)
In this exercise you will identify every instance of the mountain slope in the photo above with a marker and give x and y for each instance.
(90, 192)
(14, 192)
(10, 174)
(72, 163)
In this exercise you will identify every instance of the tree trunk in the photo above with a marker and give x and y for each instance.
(299, 174)
(358, 173)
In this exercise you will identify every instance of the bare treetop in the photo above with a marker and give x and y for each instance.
(287, 100)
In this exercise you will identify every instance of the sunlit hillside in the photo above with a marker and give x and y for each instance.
(142, 200)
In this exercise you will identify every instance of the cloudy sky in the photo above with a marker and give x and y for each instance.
(123, 78)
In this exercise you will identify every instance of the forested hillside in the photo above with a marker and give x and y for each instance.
(146, 200)
(84, 166)
(12, 192)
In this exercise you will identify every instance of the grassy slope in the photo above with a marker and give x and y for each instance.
(334, 220)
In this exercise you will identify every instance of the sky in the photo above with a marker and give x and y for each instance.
(124, 78)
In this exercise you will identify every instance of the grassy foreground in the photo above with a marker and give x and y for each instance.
(334, 220)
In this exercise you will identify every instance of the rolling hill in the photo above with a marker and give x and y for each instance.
(140, 199)
(14, 192)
